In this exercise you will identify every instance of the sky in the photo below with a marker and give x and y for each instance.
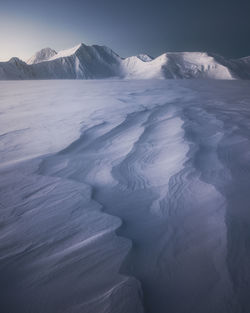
(129, 27)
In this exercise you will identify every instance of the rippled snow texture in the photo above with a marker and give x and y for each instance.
(125, 196)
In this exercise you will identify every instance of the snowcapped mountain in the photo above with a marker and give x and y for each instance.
(15, 69)
(176, 65)
(195, 65)
(42, 55)
(80, 62)
(95, 62)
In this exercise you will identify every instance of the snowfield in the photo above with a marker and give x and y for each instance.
(125, 196)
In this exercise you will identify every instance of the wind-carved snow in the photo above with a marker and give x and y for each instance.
(124, 196)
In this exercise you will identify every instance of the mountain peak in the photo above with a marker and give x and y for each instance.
(67, 52)
(15, 60)
(43, 55)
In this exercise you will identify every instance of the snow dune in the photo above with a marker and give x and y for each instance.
(124, 196)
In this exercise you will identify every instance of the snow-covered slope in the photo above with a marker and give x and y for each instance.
(145, 57)
(65, 53)
(241, 67)
(94, 62)
(194, 65)
(42, 55)
(176, 65)
(134, 67)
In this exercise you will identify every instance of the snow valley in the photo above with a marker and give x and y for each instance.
(95, 62)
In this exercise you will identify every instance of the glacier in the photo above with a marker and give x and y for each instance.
(99, 62)
(125, 196)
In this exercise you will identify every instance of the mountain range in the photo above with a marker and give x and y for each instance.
(97, 62)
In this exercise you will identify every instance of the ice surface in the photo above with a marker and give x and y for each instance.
(124, 196)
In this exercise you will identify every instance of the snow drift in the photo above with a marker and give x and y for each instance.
(125, 196)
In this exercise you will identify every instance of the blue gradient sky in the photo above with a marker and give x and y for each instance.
(128, 27)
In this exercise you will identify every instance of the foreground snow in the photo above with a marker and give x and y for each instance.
(124, 196)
